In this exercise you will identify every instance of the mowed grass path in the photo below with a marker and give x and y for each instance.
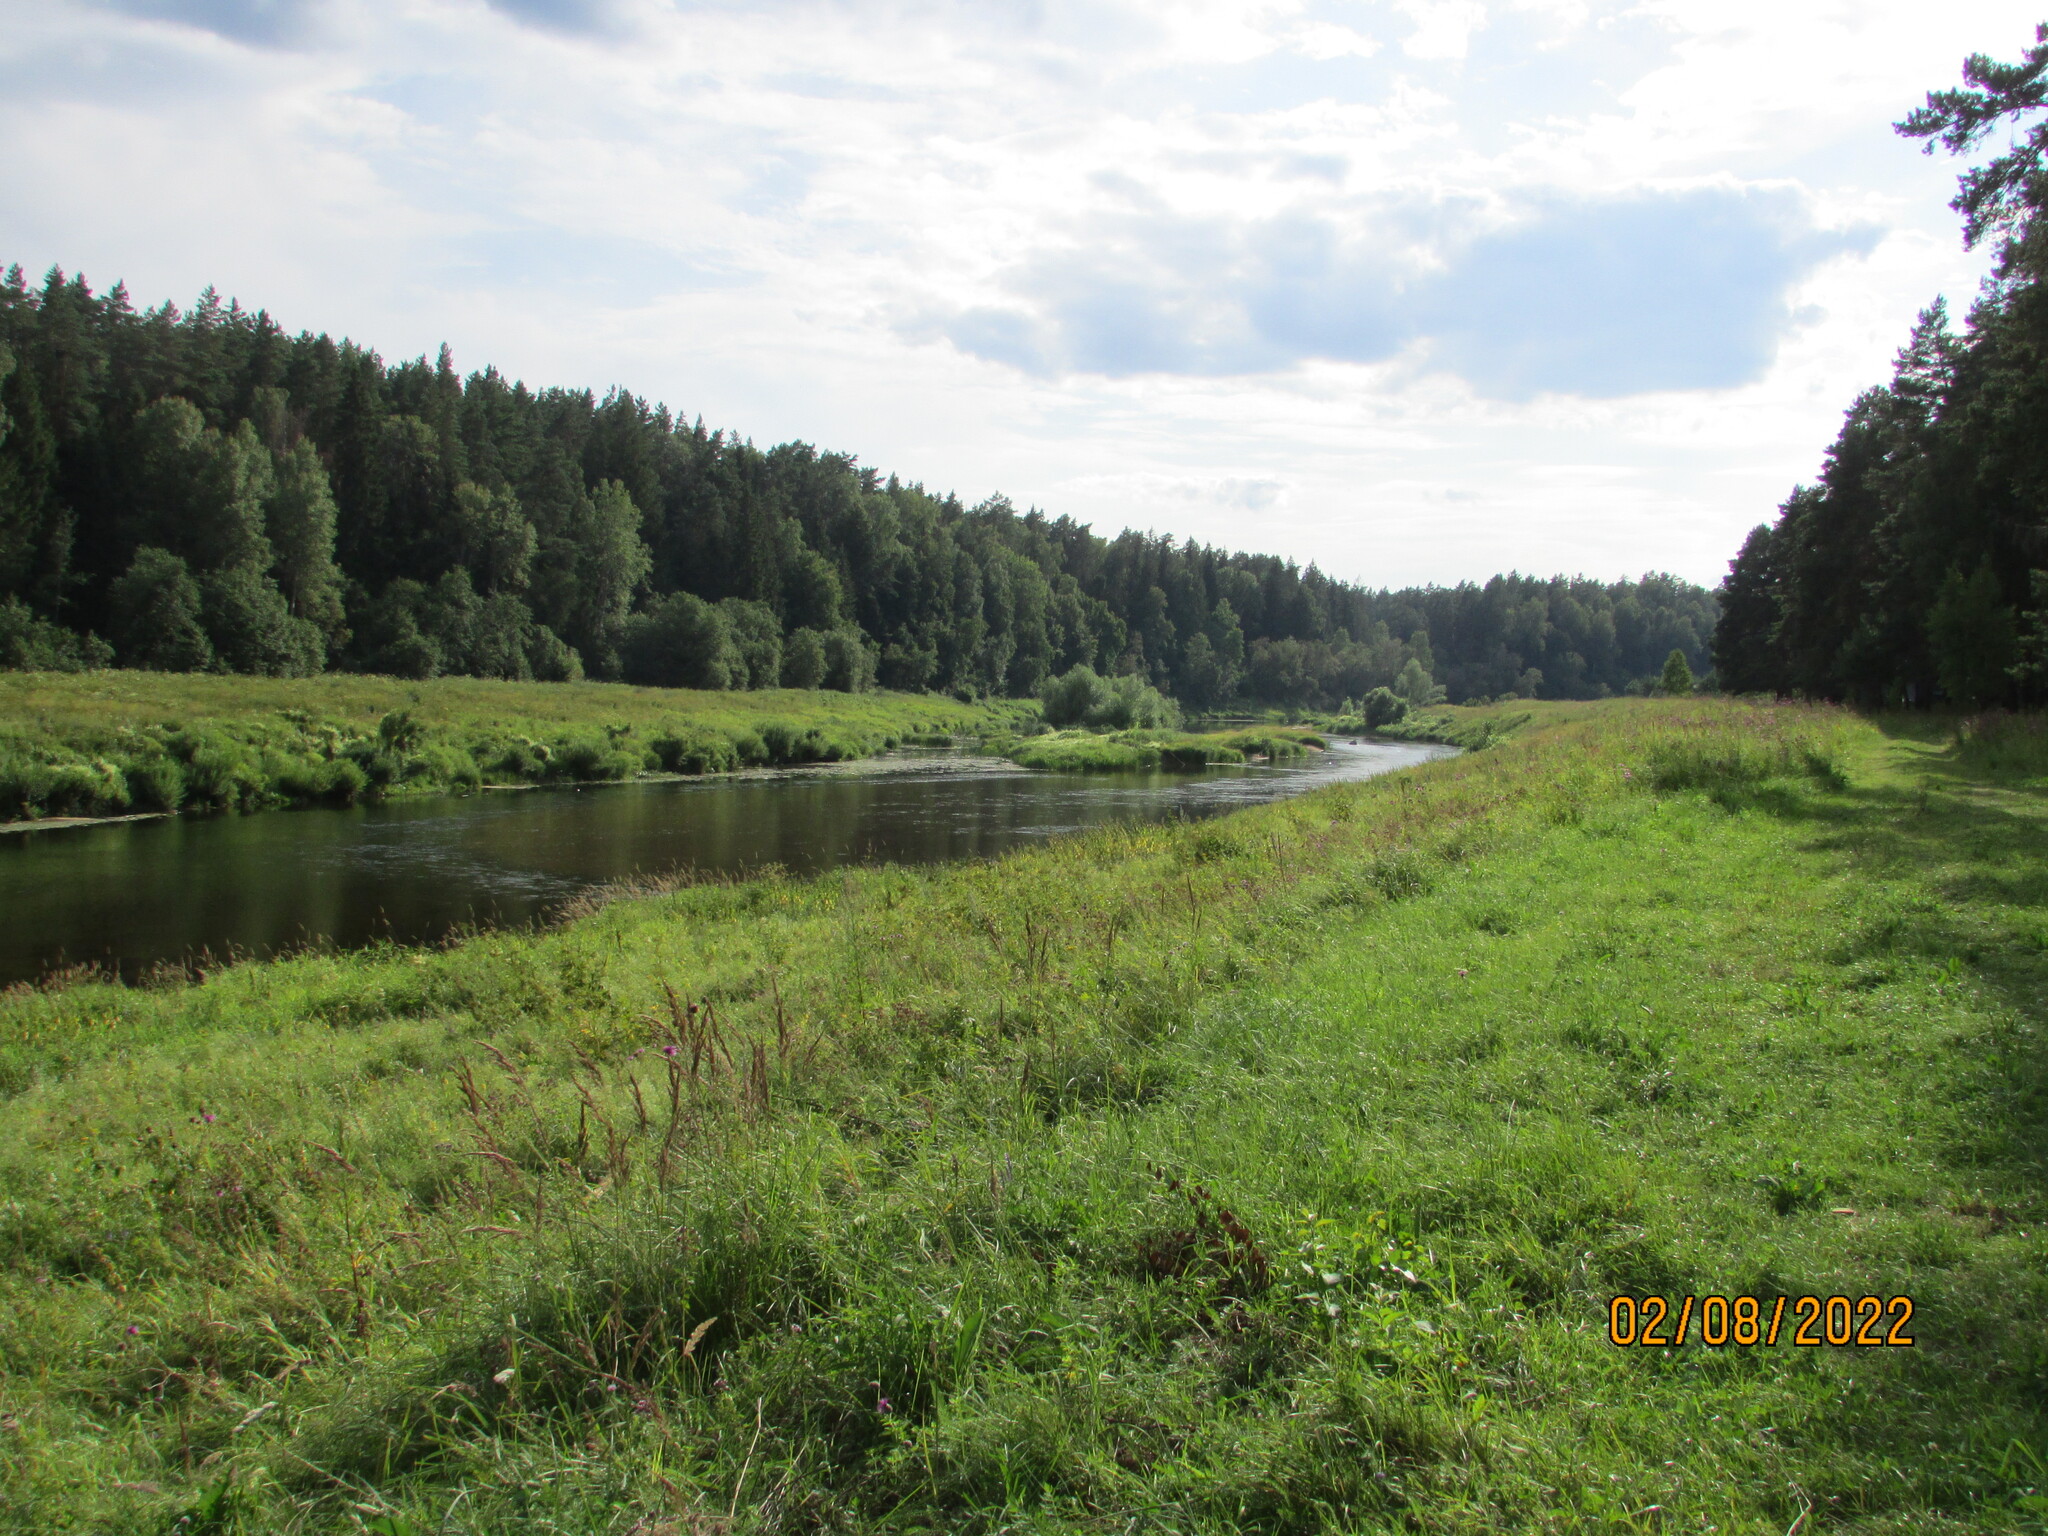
(1793, 1049)
(1266, 1174)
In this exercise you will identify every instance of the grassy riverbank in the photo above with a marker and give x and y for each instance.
(1270, 1173)
(1124, 751)
(1475, 727)
(105, 743)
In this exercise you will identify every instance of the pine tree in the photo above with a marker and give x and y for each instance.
(1975, 639)
(300, 518)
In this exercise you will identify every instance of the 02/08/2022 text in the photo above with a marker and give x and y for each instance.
(1857, 1321)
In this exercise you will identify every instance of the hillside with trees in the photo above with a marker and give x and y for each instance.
(200, 491)
(1909, 571)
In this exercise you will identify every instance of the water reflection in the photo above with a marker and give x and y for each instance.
(136, 893)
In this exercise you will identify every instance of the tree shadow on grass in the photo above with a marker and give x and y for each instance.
(1952, 869)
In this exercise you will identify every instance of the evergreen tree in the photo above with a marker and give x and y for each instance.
(1974, 636)
(35, 530)
(299, 518)
(1903, 573)
(1745, 656)
(420, 522)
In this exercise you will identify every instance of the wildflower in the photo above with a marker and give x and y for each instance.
(133, 1329)
(209, 1116)
(882, 1405)
(669, 1050)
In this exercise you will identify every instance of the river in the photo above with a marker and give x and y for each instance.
(132, 895)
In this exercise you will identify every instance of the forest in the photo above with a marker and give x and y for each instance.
(197, 490)
(1909, 572)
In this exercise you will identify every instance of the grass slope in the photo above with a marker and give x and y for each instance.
(1270, 1173)
(104, 743)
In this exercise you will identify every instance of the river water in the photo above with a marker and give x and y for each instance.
(132, 895)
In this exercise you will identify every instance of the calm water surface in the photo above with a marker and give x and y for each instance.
(133, 894)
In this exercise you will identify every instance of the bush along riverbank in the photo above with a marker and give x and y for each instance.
(1087, 752)
(1274, 1172)
(105, 744)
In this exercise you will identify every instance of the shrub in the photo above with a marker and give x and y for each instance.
(1069, 697)
(1383, 706)
(379, 766)
(587, 758)
(29, 643)
(224, 774)
(156, 783)
(157, 610)
(785, 743)
(1081, 697)
(29, 788)
(340, 781)
(849, 660)
(519, 758)
(553, 659)
(681, 641)
(803, 659)
(695, 752)
(443, 763)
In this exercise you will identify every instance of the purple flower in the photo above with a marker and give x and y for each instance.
(669, 1050)
(882, 1405)
(133, 1329)
(209, 1117)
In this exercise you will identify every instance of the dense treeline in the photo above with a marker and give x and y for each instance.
(1909, 571)
(199, 490)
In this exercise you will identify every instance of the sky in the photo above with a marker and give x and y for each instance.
(1417, 291)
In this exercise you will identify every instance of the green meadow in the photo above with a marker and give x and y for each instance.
(1270, 1173)
(115, 742)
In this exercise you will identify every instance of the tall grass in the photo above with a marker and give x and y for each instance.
(2009, 745)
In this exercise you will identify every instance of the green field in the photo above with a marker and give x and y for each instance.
(1271, 1173)
(108, 743)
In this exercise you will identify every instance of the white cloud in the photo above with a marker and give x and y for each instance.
(1556, 284)
(1443, 28)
